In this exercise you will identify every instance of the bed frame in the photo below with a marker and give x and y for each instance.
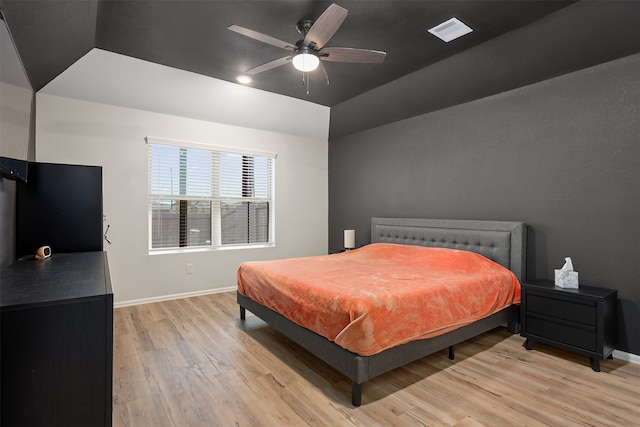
(500, 241)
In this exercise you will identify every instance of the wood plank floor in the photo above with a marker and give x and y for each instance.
(191, 362)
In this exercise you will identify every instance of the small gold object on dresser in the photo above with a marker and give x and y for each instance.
(43, 252)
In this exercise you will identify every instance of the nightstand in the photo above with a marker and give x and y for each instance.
(581, 320)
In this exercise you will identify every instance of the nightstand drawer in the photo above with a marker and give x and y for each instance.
(567, 334)
(573, 310)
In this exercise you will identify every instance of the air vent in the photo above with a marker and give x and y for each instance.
(450, 30)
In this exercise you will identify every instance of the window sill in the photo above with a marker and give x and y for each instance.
(209, 249)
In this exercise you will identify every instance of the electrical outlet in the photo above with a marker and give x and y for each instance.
(189, 268)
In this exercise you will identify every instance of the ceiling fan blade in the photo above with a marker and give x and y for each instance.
(269, 65)
(325, 26)
(323, 72)
(347, 54)
(261, 37)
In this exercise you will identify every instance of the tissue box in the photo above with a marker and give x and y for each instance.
(566, 279)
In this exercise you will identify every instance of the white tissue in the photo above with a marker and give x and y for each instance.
(566, 277)
(568, 265)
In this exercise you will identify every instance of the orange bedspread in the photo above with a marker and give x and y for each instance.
(381, 295)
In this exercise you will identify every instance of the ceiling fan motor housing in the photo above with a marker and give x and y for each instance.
(303, 48)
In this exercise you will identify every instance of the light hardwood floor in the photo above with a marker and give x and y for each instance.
(191, 362)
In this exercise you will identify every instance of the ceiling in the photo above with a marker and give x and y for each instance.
(192, 35)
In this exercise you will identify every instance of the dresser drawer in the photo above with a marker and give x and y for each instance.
(567, 334)
(578, 311)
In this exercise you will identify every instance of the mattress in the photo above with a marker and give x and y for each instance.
(381, 295)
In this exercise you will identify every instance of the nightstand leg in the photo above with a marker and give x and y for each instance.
(595, 363)
(528, 344)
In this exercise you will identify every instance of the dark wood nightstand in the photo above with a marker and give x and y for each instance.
(581, 320)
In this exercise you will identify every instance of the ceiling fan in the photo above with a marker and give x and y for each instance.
(307, 53)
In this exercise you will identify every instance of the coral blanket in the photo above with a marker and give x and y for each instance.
(381, 295)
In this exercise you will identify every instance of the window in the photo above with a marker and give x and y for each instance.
(207, 197)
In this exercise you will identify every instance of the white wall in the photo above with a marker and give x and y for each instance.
(81, 132)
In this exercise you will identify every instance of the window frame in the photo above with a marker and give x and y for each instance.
(215, 198)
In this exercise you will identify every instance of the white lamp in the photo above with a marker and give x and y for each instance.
(349, 239)
(306, 62)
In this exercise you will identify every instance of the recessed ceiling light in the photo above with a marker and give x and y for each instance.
(450, 30)
(245, 80)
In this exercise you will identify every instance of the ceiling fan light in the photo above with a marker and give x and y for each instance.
(245, 80)
(305, 62)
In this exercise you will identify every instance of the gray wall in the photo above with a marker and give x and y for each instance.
(562, 155)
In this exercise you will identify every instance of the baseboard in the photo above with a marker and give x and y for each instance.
(171, 297)
(628, 357)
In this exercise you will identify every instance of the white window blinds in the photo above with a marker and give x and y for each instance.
(208, 197)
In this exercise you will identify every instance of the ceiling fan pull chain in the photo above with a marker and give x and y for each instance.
(305, 80)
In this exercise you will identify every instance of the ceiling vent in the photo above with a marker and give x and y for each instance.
(450, 30)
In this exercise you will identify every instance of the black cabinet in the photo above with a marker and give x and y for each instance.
(581, 320)
(59, 206)
(57, 341)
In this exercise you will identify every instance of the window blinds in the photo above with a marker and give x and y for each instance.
(201, 196)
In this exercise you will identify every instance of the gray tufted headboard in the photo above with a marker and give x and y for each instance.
(504, 242)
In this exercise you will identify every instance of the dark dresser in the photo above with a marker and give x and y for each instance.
(56, 353)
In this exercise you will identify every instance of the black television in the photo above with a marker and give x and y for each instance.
(17, 110)
(60, 206)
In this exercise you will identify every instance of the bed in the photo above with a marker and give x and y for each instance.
(502, 242)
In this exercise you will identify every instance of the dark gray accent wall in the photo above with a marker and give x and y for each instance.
(562, 155)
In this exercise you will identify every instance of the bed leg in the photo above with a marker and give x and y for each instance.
(513, 327)
(243, 313)
(452, 353)
(356, 393)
